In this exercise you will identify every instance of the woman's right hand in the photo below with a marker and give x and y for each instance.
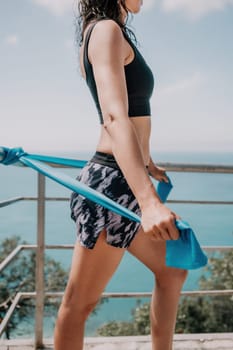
(158, 222)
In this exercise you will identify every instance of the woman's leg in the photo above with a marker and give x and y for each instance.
(90, 272)
(169, 282)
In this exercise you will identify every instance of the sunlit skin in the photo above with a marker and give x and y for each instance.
(128, 140)
(142, 125)
(133, 6)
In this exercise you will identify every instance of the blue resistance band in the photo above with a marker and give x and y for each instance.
(184, 253)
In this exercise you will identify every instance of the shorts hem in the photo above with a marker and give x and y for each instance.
(91, 244)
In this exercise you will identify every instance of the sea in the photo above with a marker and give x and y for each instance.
(212, 224)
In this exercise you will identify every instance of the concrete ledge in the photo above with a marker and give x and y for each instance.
(181, 342)
(212, 341)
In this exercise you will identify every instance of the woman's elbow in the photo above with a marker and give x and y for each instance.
(115, 124)
(108, 121)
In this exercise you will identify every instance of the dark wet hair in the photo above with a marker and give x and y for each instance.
(93, 10)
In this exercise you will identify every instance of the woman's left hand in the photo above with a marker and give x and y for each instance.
(158, 173)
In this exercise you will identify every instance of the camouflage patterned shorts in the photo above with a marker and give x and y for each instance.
(103, 175)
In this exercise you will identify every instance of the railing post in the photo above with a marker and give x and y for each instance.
(40, 263)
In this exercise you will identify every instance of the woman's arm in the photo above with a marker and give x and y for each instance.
(107, 55)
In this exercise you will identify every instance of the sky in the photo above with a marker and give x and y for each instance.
(45, 106)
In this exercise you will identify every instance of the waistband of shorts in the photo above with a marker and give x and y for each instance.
(105, 159)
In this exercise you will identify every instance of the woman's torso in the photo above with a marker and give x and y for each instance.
(142, 124)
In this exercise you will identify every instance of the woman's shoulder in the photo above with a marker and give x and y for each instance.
(106, 42)
(108, 23)
(107, 29)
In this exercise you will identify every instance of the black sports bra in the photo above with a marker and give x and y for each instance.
(139, 81)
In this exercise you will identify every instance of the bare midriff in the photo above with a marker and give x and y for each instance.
(142, 126)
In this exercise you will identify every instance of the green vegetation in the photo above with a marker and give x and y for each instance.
(210, 314)
(140, 324)
(19, 276)
(196, 314)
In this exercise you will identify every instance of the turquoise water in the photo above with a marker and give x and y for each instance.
(213, 224)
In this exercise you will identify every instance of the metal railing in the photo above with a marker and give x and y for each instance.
(40, 248)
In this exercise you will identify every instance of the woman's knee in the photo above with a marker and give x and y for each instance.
(83, 309)
(78, 311)
(76, 305)
(171, 277)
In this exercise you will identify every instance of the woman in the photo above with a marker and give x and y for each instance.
(121, 84)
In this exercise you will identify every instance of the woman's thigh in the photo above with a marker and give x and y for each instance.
(152, 254)
(90, 272)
